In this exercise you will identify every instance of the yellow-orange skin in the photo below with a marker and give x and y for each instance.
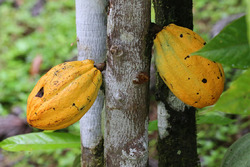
(195, 80)
(69, 90)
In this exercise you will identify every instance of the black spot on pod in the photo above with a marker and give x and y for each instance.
(171, 86)
(88, 98)
(218, 77)
(204, 43)
(181, 35)
(186, 57)
(197, 93)
(204, 80)
(188, 78)
(55, 82)
(55, 73)
(220, 72)
(40, 93)
(73, 104)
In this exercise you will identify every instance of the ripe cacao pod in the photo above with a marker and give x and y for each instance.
(195, 80)
(63, 95)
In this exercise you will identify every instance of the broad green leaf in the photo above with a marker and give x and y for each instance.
(214, 119)
(230, 47)
(153, 125)
(40, 141)
(238, 153)
(236, 99)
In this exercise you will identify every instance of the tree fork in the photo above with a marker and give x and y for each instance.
(177, 145)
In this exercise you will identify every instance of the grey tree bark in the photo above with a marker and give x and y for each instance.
(126, 83)
(91, 44)
(177, 145)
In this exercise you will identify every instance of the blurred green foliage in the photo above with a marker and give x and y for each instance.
(208, 12)
(23, 37)
(49, 158)
(213, 139)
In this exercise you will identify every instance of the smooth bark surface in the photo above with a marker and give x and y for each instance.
(177, 145)
(126, 84)
(91, 44)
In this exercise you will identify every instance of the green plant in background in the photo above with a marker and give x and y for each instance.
(23, 37)
(230, 48)
(208, 12)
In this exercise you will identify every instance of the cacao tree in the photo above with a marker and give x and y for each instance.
(176, 121)
(91, 44)
(126, 83)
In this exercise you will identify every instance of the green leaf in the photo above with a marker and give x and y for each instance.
(236, 99)
(230, 47)
(40, 141)
(213, 119)
(77, 161)
(248, 21)
(152, 12)
(238, 153)
(153, 125)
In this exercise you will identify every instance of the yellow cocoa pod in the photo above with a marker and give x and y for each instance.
(195, 80)
(63, 95)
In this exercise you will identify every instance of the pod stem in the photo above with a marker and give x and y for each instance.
(100, 66)
(154, 29)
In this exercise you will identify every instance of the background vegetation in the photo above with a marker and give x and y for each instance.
(46, 38)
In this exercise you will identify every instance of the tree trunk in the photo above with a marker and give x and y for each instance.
(91, 44)
(126, 84)
(177, 145)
